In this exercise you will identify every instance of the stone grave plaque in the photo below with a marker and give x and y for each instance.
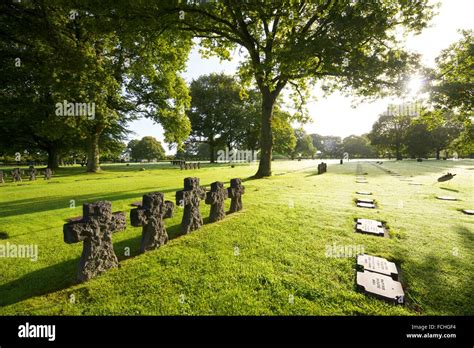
(378, 265)
(447, 198)
(370, 226)
(361, 181)
(365, 200)
(370, 222)
(415, 184)
(468, 211)
(365, 205)
(381, 286)
(366, 193)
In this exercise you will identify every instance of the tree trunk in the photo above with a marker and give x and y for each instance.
(93, 153)
(437, 153)
(266, 136)
(399, 155)
(53, 158)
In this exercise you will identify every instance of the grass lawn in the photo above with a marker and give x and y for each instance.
(269, 259)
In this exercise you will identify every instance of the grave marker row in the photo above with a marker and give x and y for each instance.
(17, 173)
(98, 222)
(186, 166)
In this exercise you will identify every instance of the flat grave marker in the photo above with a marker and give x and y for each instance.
(381, 286)
(366, 193)
(378, 265)
(373, 227)
(468, 211)
(447, 198)
(365, 205)
(365, 200)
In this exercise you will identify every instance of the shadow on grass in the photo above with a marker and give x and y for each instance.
(41, 204)
(449, 189)
(63, 275)
(431, 276)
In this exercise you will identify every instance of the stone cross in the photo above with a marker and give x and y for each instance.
(150, 215)
(235, 192)
(190, 198)
(16, 175)
(2, 181)
(216, 198)
(32, 172)
(95, 228)
(48, 173)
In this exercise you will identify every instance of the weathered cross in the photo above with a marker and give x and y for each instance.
(32, 172)
(235, 192)
(95, 229)
(190, 198)
(2, 180)
(150, 215)
(47, 173)
(16, 175)
(216, 198)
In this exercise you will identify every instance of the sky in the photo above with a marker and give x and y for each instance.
(334, 114)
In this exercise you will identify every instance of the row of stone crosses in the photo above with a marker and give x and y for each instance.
(98, 222)
(183, 165)
(16, 174)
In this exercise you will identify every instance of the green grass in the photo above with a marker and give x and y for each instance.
(281, 237)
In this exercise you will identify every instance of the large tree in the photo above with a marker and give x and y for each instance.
(358, 147)
(389, 131)
(85, 52)
(418, 140)
(295, 43)
(216, 112)
(147, 148)
(451, 93)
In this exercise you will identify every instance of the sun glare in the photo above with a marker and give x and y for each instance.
(414, 85)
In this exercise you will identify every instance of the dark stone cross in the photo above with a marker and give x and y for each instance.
(16, 175)
(150, 215)
(48, 173)
(235, 192)
(216, 198)
(95, 228)
(32, 172)
(190, 198)
(2, 180)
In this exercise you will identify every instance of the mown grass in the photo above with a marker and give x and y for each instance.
(269, 259)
